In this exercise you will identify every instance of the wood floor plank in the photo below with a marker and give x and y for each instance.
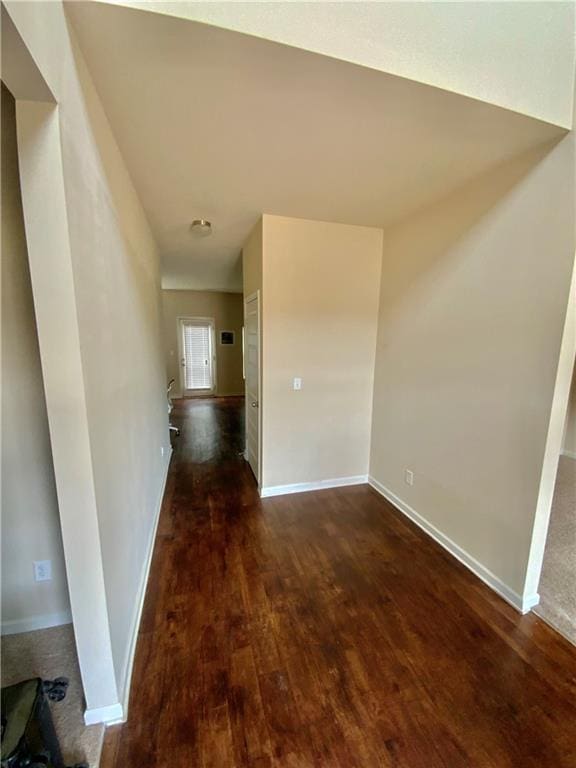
(325, 630)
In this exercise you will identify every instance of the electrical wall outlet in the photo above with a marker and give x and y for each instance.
(297, 383)
(162, 449)
(409, 477)
(42, 570)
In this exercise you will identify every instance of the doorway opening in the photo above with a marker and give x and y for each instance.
(37, 635)
(557, 587)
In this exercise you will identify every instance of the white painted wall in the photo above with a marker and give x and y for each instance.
(30, 522)
(319, 316)
(473, 306)
(517, 55)
(115, 292)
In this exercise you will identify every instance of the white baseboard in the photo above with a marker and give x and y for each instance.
(521, 604)
(111, 715)
(337, 482)
(32, 623)
(569, 454)
(529, 602)
(124, 691)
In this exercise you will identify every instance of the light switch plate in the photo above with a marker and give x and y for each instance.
(297, 383)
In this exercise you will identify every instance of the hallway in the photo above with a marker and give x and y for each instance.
(324, 630)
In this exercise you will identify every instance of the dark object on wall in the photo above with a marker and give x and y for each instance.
(226, 337)
(28, 736)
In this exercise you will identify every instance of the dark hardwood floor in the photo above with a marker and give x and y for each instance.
(325, 630)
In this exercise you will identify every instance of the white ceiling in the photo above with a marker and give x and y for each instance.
(220, 125)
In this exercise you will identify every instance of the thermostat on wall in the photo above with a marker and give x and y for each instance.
(226, 337)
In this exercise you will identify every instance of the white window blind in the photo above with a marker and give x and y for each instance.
(197, 356)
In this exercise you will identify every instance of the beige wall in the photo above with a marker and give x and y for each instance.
(30, 522)
(99, 294)
(320, 306)
(473, 301)
(228, 313)
(569, 438)
(252, 261)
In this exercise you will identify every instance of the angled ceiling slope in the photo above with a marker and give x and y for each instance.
(220, 125)
(516, 55)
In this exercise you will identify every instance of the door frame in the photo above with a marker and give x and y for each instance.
(552, 451)
(251, 297)
(211, 322)
(47, 238)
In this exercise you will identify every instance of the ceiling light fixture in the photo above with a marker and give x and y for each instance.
(201, 227)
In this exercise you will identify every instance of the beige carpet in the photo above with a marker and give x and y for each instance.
(558, 581)
(50, 653)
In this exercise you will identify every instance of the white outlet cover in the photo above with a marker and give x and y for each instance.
(42, 570)
(409, 477)
(297, 383)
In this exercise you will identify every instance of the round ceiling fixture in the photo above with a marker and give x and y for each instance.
(201, 227)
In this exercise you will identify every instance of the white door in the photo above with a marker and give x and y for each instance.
(197, 356)
(252, 371)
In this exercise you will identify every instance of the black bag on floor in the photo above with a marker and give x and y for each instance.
(28, 736)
